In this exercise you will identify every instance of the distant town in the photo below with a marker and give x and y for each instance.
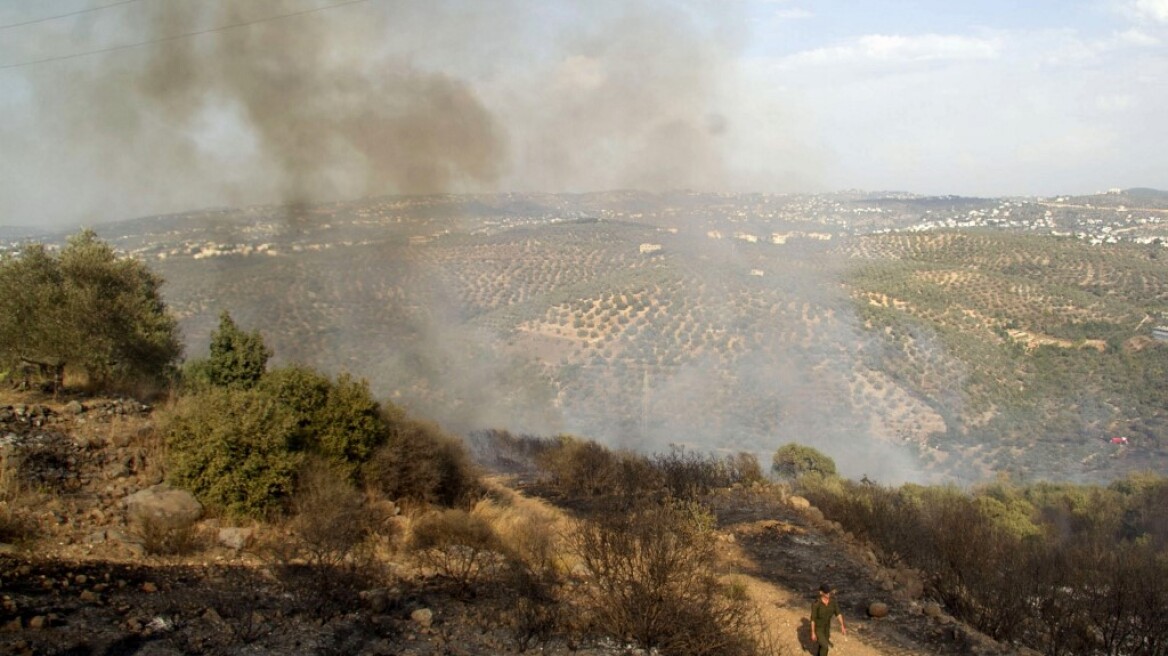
(1137, 215)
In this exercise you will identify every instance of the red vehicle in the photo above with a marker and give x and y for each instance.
(1119, 440)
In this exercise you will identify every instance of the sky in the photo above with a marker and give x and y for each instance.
(113, 109)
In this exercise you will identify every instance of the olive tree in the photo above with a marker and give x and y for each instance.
(794, 460)
(86, 309)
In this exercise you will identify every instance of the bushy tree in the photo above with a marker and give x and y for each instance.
(88, 309)
(339, 421)
(234, 449)
(237, 358)
(794, 460)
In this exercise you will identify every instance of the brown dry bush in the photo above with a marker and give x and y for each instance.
(330, 523)
(653, 582)
(160, 538)
(16, 526)
(534, 567)
(459, 545)
(323, 556)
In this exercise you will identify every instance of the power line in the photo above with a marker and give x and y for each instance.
(176, 37)
(72, 13)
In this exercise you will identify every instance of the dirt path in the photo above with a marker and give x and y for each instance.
(781, 554)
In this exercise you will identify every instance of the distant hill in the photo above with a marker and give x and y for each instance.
(910, 338)
(1147, 193)
(17, 233)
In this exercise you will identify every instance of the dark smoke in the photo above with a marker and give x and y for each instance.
(298, 109)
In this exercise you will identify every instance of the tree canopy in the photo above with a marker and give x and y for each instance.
(86, 309)
(794, 460)
(238, 359)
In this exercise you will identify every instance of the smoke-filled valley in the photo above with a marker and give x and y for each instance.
(858, 324)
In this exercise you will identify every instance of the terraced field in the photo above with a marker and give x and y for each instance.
(930, 356)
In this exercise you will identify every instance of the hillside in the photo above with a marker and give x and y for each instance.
(87, 581)
(911, 338)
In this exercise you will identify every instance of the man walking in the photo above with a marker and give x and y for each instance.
(821, 613)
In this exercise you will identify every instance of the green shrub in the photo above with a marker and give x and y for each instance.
(234, 449)
(340, 421)
(794, 460)
(237, 359)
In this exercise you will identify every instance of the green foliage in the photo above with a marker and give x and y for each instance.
(794, 460)
(234, 449)
(300, 412)
(339, 420)
(87, 308)
(237, 358)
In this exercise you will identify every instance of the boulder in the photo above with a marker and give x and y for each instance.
(798, 503)
(877, 609)
(422, 617)
(161, 503)
(235, 537)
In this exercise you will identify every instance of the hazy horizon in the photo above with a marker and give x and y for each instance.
(132, 109)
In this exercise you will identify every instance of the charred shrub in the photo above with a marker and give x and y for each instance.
(421, 463)
(330, 523)
(580, 467)
(505, 452)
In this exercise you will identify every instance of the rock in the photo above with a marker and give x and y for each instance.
(931, 609)
(149, 587)
(74, 408)
(798, 503)
(235, 538)
(38, 622)
(14, 625)
(161, 503)
(877, 609)
(89, 596)
(423, 617)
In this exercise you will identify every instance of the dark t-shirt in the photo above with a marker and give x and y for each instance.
(821, 615)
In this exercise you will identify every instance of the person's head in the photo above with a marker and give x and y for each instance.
(825, 591)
